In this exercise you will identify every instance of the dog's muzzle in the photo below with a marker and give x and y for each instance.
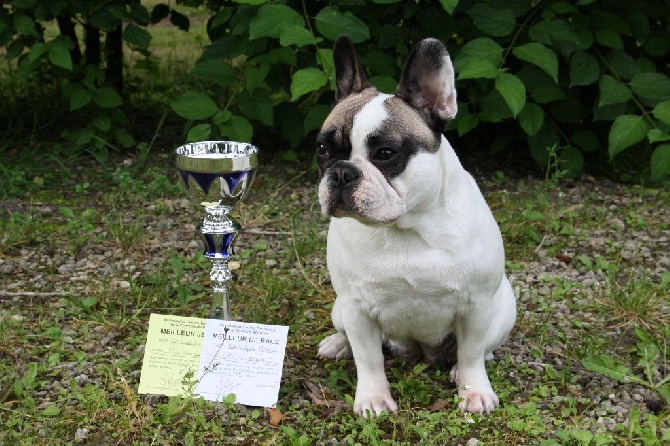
(341, 181)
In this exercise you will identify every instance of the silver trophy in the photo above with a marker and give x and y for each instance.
(217, 175)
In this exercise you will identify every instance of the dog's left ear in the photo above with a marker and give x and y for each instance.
(427, 83)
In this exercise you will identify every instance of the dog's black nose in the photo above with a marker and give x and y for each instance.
(343, 174)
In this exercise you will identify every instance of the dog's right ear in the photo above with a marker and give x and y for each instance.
(349, 75)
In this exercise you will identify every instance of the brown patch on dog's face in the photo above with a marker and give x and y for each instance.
(334, 141)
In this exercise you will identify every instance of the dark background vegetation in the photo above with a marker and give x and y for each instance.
(570, 86)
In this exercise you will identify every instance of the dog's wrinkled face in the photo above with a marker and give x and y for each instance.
(373, 147)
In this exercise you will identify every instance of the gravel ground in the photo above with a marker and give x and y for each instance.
(558, 295)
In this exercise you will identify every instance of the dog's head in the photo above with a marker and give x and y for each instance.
(377, 152)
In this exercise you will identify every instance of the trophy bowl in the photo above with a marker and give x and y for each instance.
(217, 175)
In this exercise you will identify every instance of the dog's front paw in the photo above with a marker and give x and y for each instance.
(373, 404)
(335, 346)
(477, 399)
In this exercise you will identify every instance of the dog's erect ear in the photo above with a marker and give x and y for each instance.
(427, 83)
(349, 75)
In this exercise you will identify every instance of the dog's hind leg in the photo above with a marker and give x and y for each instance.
(335, 346)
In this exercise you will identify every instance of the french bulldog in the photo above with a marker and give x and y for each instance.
(414, 254)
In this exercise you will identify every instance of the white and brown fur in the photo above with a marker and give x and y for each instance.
(414, 254)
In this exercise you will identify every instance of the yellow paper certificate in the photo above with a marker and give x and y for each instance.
(172, 352)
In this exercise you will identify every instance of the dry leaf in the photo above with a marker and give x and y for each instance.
(276, 417)
(440, 404)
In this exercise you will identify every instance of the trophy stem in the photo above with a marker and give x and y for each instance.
(218, 232)
(220, 278)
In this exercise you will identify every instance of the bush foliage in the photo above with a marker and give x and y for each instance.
(578, 81)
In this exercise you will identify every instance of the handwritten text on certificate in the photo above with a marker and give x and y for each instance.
(242, 358)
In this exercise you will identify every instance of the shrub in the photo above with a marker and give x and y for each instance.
(579, 81)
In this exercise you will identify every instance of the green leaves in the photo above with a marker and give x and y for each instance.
(331, 23)
(512, 90)
(194, 105)
(494, 21)
(584, 69)
(626, 131)
(306, 81)
(539, 55)
(612, 91)
(271, 20)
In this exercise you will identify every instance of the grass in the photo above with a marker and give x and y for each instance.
(82, 345)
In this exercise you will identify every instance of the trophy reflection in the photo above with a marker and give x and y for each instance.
(217, 175)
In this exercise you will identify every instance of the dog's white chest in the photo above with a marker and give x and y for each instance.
(411, 291)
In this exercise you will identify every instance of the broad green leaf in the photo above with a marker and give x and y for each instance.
(271, 20)
(657, 135)
(610, 38)
(612, 91)
(466, 123)
(103, 122)
(200, 132)
(584, 69)
(104, 20)
(60, 57)
(512, 90)
(137, 36)
(14, 50)
(216, 70)
(307, 80)
(257, 105)
(331, 23)
(609, 367)
(385, 84)
(548, 32)
(547, 93)
(539, 55)
(107, 97)
(297, 35)
(37, 50)
(540, 143)
(654, 86)
(585, 140)
(256, 74)
(531, 118)
(80, 98)
(477, 69)
(660, 162)
(24, 25)
(572, 161)
(221, 116)
(194, 105)
(662, 111)
(449, 5)
(493, 21)
(622, 64)
(282, 55)
(237, 128)
(381, 63)
(251, 2)
(479, 48)
(626, 130)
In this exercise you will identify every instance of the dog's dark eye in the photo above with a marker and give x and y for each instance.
(321, 150)
(385, 154)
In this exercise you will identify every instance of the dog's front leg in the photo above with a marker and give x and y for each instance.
(469, 373)
(372, 391)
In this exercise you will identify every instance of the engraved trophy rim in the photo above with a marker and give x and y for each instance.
(216, 156)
